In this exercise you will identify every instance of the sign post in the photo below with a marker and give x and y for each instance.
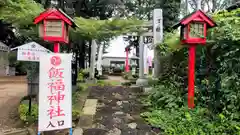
(30, 52)
(54, 26)
(55, 108)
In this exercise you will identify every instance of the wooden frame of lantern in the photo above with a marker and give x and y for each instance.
(54, 30)
(194, 28)
(193, 31)
(53, 25)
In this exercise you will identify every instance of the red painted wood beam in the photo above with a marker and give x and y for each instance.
(56, 47)
(191, 76)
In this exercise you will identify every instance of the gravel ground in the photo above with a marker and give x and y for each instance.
(12, 89)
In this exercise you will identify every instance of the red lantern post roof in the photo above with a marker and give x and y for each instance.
(53, 13)
(198, 15)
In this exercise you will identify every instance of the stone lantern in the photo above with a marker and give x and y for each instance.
(134, 65)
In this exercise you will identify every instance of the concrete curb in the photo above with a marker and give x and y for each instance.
(147, 90)
(86, 119)
(78, 131)
(15, 132)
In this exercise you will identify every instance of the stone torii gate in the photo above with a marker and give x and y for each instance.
(154, 30)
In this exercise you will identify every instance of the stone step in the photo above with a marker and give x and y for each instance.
(15, 132)
(95, 131)
(136, 89)
(78, 131)
(85, 121)
(89, 111)
(90, 107)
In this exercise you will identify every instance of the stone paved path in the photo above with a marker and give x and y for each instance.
(116, 78)
(118, 113)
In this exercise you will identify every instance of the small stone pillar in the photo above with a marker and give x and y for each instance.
(33, 80)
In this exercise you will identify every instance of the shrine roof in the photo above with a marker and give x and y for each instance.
(57, 12)
(193, 15)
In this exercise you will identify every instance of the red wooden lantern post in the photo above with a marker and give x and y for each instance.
(54, 26)
(193, 32)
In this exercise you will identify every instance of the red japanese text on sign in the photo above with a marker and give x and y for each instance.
(55, 92)
(55, 112)
(55, 73)
(56, 87)
(56, 98)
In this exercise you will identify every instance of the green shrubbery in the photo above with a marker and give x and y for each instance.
(169, 112)
(23, 108)
(81, 87)
(82, 75)
(198, 121)
(217, 93)
(24, 114)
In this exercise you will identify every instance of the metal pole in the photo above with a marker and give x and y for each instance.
(30, 93)
(70, 131)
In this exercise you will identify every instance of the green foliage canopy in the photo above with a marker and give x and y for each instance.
(103, 29)
(22, 12)
(19, 12)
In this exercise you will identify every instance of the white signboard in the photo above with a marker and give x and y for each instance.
(30, 52)
(157, 26)
(55, 92)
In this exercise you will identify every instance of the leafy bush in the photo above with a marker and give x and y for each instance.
(198, 121)
(167, 97)
(168, 112)
(24, 114)
(75, 113)
(152, 82)
(80, 77)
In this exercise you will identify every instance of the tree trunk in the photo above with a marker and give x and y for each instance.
(74, 68)
(89, 53)
(199, 3)
(81, 59)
